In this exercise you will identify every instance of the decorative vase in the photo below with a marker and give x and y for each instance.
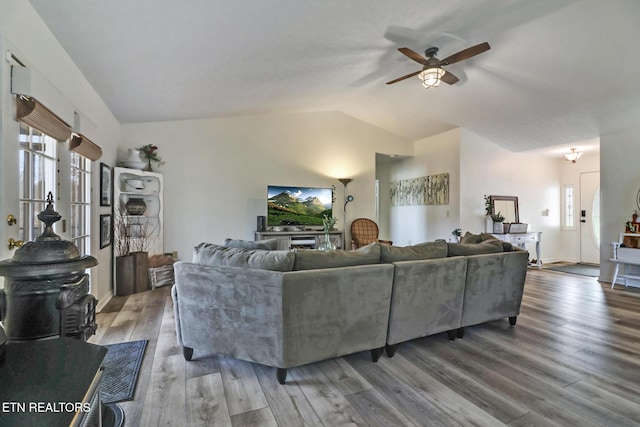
(488, 224)
(498, 228)
(135, 206)
(326, 244)
(134, 161)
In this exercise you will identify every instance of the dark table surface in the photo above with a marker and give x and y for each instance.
(41, 382)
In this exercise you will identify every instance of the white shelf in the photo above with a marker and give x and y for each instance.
(148, 186)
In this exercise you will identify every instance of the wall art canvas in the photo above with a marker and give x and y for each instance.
(425, 190)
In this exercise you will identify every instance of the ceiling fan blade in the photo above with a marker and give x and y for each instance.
(404, 77)
(466, 54)
(413, 55)
(450, 78)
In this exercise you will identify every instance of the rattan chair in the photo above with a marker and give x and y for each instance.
(364, 232)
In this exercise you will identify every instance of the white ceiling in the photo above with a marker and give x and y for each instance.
(558, 71)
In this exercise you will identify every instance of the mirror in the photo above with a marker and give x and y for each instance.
(507, 206)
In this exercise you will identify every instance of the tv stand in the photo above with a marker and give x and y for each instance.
(307, 239)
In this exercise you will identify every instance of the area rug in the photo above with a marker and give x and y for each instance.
(121, 367)
(581, 269)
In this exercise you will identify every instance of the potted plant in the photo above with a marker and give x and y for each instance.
(150, 154)
(131, 242)
(497, 219)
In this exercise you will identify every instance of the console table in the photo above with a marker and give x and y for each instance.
(51, 382)
(308, 239)
(521, 239)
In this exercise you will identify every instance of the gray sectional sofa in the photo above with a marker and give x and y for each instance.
(285, 309)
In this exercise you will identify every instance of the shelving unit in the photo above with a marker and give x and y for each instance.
(131, 184)
(626, 253)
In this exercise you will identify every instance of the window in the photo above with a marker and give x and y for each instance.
(81, 202)
(40, 173)
(569, 208)
(37, 178)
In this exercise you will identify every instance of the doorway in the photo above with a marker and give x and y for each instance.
(590, 217)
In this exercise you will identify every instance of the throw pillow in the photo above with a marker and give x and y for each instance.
(267, 245)
(428, 250)
(486, 247)
(506, 246)
(309, 259)
(216, 255)
(471, 238)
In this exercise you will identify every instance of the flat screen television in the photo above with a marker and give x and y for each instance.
(298, 206)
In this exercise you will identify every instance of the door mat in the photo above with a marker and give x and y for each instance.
(581, 269)
(121, 367)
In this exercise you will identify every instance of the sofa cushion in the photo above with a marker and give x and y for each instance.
(486, 247)
(428, 250)
(216, 255)
(309, 259)
(268, 245)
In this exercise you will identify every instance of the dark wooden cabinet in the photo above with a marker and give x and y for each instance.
(51, 382)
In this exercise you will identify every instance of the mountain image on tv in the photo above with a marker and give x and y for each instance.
(298, 205)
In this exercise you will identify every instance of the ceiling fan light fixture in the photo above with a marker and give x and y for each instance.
(431, 77)
(573, 156)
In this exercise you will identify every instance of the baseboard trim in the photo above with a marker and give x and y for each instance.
(103, 302)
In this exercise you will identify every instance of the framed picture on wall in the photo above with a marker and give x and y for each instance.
(105, 185)
(105, 230)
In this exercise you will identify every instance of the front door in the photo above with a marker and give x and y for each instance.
(590, 217)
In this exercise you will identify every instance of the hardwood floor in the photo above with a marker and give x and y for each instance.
(573, 359)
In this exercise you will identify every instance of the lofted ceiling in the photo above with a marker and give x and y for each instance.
(558, 71)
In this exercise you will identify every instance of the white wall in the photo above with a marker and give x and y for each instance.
(24, 33)
(415, 224)
(486, 168)
(619, 183)
(478, 167)
(217, 170)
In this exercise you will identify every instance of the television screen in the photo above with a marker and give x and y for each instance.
(298, 205)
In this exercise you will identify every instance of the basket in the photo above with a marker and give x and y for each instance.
(161, 276)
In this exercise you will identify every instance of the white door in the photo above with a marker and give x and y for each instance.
(590, 217)
(9, 204)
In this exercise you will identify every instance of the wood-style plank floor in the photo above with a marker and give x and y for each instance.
(573, 359)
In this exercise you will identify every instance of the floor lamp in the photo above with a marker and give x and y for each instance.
(347, 199)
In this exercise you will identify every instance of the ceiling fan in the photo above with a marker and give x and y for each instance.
(432, 72)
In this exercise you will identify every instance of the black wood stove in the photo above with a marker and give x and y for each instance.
(46, 289)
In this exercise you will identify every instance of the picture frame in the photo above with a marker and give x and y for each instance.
(105, 185)
(106, 234)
